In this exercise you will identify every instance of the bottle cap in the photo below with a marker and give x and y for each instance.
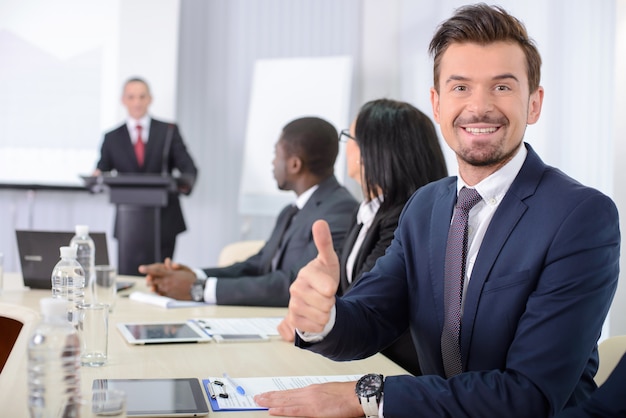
(68, 252)
(82, 230)
(53, 307)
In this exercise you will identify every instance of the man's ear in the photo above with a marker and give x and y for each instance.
(295, 164)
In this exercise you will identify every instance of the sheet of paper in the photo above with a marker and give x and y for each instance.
(162, 301)
(256, 385)
(237, 326)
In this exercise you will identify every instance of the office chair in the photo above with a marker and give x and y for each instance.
(16, 325)
(610, 352)
(238, 251)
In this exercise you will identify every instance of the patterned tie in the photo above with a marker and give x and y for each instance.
(456, 255)
(139, 147)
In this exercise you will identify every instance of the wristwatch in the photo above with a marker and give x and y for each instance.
(197, 290)
(369, 389)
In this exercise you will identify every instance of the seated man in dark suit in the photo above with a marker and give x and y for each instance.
(304, 163)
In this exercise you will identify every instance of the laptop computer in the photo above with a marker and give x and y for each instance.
(39, 253)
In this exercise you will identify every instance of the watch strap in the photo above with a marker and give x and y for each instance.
(370, 406)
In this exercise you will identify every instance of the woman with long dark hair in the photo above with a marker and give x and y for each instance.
(392, 149)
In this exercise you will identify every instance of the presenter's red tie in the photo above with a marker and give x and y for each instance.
(456, 258)
(139, 147)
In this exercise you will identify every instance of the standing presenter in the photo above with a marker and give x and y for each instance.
(143, 145)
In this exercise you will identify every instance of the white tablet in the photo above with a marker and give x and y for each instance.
(163, 332)
(159, 397)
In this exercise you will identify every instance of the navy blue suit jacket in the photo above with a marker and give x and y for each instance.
(609, 401)
(540, 289)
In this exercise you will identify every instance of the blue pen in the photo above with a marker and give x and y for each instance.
(234, 384)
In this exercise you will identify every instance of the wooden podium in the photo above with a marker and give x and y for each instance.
(138, 199)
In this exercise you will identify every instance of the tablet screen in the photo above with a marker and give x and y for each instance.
(159, 397)
(159, 333)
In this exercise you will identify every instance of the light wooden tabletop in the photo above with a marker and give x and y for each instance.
(247, 359)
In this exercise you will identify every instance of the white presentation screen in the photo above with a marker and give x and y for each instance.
(63, 66)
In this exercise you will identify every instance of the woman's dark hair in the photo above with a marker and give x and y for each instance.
(400, 150)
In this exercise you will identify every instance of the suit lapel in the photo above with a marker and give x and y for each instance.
(444, 204)
(506, 217)
(127, 150)
(309, 210)
(153, 147)
(345, 253)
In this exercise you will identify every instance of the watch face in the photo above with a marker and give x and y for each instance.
(197, 293)
(369, 385)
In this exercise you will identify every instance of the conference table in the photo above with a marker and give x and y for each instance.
(242, 359)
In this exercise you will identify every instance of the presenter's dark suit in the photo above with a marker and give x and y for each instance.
(376, 241)
(117, 153)
(540, 289)
(251, 282)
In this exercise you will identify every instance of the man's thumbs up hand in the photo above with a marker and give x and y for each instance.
(313, 291)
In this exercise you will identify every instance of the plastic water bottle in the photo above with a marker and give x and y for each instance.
(85, 251)
(68, 281)
(54, 365)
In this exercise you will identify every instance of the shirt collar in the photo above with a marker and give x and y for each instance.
(304, 197)
(144, 122)
(493, 188)
(367, 210)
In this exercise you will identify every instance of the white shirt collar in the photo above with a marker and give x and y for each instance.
(493, 188)
(131, 125)
(367, 211)
(304, 197)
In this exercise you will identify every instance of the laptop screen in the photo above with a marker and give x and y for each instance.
(39, 253)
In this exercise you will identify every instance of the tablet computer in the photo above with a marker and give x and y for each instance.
(163, 332)
(159, 397)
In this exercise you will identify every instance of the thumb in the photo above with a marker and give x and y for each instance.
(324, 243)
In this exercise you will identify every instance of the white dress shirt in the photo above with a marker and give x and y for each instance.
(131, 125)
(365, 217)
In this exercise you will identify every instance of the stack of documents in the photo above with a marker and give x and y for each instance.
(162, 301)
(240, 326)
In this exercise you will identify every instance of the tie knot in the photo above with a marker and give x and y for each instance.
(139, 128)
(468, 198)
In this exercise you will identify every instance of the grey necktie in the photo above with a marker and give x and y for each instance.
(456, 258)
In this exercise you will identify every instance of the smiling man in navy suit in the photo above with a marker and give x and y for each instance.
(161, 150)
(540, 271)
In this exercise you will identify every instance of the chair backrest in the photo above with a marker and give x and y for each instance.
(238, 251)
(15, 360)
(610, 352)
(9, 329)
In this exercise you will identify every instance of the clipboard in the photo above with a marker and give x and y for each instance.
(223, 396)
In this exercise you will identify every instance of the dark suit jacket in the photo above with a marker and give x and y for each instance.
(117, 153)
(252, 283)
(609, 401)
(540, 289)
(377, 239)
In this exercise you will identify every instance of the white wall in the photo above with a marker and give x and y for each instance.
(618, 311)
